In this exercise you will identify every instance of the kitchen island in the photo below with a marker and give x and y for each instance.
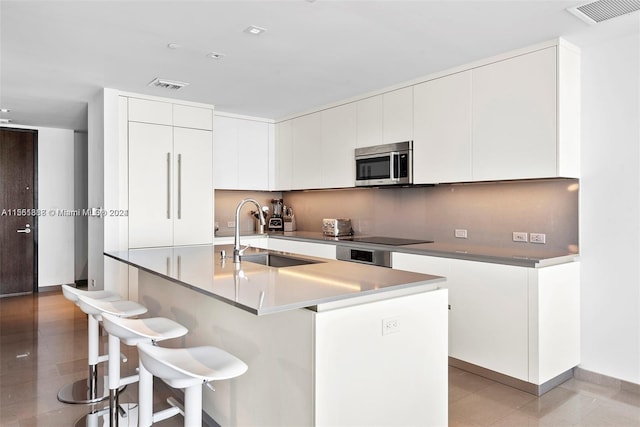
(327, 342)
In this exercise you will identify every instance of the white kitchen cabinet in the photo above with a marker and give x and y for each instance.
(283, 156)
(516, 321)
(515, 117)
(489, 318)
(241, 147)
(442, 130)
(187, 116)
(149, 111)
(338, 145)
(150, 185)
(397, 116)
(170, 186)
(193, 186)
(305, 248)
(369, 112)
(306, 152)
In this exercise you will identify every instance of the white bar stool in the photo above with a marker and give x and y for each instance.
(186, 368)
(91, 389)
(132, 332)
(96, 309)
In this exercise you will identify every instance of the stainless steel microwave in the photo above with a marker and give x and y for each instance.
(388, 164)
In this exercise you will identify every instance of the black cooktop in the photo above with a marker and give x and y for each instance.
(381, 240)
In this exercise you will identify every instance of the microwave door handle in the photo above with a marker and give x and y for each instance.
(395, 155)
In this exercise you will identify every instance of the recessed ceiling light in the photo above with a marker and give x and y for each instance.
(4, 110)
(167, 84)
(5, 120)
(174, 46)
(254, 30)
(215, 55)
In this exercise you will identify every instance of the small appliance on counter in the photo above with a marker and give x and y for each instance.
(289, 219)
(276, 222)
(337, 227)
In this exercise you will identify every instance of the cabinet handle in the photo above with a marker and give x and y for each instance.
(179, 186)
(168, 185)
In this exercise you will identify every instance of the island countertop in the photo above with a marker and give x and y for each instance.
(261, 289)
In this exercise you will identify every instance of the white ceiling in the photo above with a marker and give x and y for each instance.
(55, 55)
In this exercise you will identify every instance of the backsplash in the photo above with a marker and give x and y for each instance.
(490, 212)
(225, 205)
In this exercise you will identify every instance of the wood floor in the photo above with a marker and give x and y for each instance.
(43, 346)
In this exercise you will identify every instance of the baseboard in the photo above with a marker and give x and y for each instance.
(605, 380)
(535, 389)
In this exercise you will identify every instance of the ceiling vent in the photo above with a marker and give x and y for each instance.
(603, 10)
(167, 84)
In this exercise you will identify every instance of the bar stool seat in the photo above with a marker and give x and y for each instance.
(92, 389)
(187, 368)
(120, 308)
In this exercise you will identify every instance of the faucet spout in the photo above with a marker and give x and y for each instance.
(236, 240)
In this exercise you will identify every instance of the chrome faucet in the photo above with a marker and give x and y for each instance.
(237, 252)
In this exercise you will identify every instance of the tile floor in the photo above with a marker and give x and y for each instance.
(43, 347)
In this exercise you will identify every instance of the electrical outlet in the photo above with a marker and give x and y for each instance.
(520, 236)
(460, 233)
(538, 238)
(390, 325)
(231, 224)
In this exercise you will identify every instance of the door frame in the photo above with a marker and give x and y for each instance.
(34, 133)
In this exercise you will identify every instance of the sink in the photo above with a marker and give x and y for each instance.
(277, 260)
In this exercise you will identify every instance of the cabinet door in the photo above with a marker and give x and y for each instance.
(489, 316)
(225, 147)
(397, 115)
(150, 190)
(146, 111)
(338, 145)
(192, 117)
(442, 130)
(307, 152)
(253, 155)
(369, 114)
(283, 156)
(193, 187)
(514, 118)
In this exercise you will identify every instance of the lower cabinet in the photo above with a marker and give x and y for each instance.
(304, 248)
(517, 321)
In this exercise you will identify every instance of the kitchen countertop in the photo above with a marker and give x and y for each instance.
(526, 257)
(260, 289)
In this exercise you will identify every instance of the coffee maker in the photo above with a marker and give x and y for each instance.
(276, 222)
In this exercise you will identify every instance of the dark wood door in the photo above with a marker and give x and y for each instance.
(17, 211)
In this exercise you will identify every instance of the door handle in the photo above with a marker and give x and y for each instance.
(179, 186)
(26, 230)
(168, 185)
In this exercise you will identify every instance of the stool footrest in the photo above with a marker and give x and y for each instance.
(176, 408)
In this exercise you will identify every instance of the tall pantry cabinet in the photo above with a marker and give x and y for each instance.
(150, 163)
(170, 174)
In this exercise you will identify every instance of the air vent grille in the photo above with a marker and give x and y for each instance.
(167, 84)
(603, 10)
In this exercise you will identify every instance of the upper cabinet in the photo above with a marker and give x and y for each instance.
(241, 147)
(338, 144)
(397, 117)
(369, 120)
(283, 157)
(442, 130)
(514, 118)
(306, 170)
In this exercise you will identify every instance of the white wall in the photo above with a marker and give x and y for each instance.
(56, 255)
(610, 208)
